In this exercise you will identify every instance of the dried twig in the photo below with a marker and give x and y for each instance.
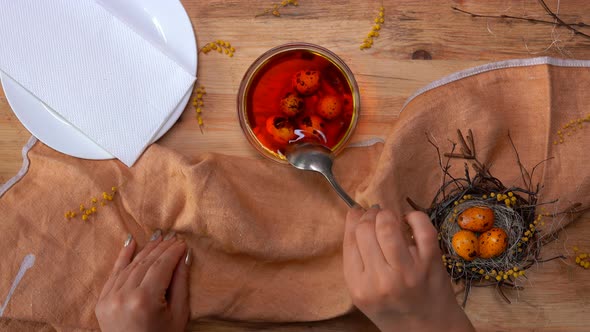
(561, 22)
(531, 20)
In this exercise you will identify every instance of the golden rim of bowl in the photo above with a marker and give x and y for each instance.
(261, 62)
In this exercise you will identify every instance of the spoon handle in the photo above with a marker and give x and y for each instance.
(330, 177)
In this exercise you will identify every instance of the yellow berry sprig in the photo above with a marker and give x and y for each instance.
(380, 19)
(582, 258)
(220, 46)
(570, 128)
(275, 9)
(86, 212)
(511, 274)
(198, 105)
(530, 232)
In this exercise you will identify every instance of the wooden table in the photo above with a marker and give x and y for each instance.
(419, 42)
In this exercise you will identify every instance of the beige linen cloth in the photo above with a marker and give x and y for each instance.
(267, 238)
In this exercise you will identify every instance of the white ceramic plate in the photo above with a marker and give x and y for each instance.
(164, 23)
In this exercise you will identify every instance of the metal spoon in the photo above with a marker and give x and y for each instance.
(317, 158)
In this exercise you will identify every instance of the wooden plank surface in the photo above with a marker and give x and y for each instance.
(387, 74)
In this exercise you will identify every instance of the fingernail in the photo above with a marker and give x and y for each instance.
(170, 235)
(189, 257)
(129, 239)
(376, 206)
(156, 235)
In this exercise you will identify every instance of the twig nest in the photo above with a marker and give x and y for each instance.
(476, 219)
(492, 243)
(465, 244)
(306, 82)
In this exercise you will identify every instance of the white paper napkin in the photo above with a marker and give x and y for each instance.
(92, 69)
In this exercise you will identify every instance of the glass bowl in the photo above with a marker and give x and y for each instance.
(272, 78)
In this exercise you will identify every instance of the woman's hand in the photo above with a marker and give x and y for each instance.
(400, 285)
(148, 292)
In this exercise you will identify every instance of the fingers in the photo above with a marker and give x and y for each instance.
(179, 290)
(124, 258)
(124, 275)
(140, 269)
(158, 276)
(351, 256)
(366, 239)
(424, 234)
(390, 236)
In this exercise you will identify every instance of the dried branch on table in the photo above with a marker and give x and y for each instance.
(557, 22)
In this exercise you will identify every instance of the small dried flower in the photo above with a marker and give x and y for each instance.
(198, 103)
(380, 19)
(274, 10)
(220, 46)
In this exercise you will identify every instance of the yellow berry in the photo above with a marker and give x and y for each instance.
(84, 217)
(576, 248)
(487, 277)
(498, 278)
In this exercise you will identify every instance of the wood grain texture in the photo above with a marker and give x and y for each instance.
(555, 300)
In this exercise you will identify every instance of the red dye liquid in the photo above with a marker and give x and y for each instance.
(299, 95)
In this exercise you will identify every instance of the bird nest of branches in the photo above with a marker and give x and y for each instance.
(515, 211)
